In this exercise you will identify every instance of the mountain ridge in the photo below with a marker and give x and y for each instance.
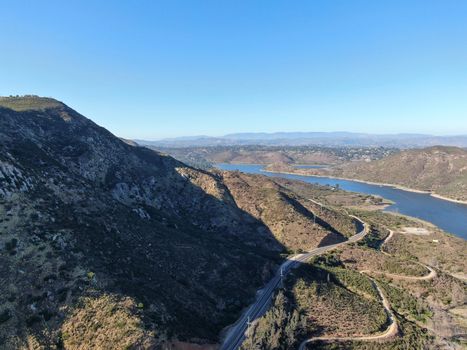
(90, 222)
(402, 140)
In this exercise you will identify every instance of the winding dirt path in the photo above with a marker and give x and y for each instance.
(432, 274)
(236, 334)
(390, 331)
(386, 240)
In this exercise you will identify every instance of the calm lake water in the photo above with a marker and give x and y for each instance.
(450, 216)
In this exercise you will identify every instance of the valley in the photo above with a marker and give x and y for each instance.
(106, 244)
(439, 170)
(306, 312)
(261, 154)
(448, 215)
(233, 175)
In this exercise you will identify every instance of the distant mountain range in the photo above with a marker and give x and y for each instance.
(108, 245)
(313, 138)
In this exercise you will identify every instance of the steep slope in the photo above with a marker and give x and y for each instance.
(288, 215)
(103, 242)
(84, 214)
(442, 170)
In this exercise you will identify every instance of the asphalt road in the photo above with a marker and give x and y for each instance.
(236, 334)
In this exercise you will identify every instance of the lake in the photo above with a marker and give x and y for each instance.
(449, 216)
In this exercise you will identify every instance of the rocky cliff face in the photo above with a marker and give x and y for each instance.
(92, 227)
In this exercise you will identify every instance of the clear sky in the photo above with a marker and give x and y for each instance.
(152, 69)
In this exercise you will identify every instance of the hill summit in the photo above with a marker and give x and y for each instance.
(107, 243)
(29, 102)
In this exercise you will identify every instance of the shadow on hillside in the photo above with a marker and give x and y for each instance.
(200, 275)
(334, 235)
(153, 244)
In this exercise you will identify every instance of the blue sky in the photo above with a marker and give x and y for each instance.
(152, 69)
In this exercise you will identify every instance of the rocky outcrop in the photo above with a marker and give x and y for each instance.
(87, 217)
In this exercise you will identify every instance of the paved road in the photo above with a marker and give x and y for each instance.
(236, 334)
(392, 329)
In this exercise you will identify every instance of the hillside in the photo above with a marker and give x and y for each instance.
(29, 103)
(442, 170)
(284, 211)
(335, 295)
(105, 242)
(257, 154)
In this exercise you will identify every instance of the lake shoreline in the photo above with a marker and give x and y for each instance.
(447, 214)
(399, 187)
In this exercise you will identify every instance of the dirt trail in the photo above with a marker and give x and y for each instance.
(390, 331)
(432, 274)
(236, 332)
(386, 240)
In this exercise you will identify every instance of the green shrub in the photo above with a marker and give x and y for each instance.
(11, 245)
(5, 315)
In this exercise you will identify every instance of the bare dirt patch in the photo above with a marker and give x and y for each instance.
(460, 311)
(418, 231)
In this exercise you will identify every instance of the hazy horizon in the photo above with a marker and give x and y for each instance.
(294, 132)
(155, 70)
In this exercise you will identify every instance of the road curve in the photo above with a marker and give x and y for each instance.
(390, 331)
(236, 334)
(432, 274)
